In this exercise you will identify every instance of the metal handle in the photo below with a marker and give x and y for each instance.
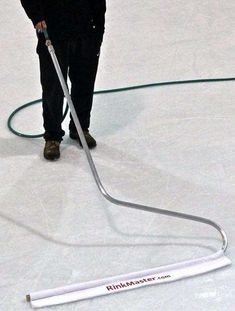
(94, 170)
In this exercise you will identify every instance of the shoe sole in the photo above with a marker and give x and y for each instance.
(51, 158)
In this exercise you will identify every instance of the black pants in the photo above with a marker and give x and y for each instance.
(79, 59)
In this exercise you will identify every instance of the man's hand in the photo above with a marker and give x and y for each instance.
(40, 26)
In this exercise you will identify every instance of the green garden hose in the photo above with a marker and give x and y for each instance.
(130, 88)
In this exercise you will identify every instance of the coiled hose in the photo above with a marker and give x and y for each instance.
(123, 89)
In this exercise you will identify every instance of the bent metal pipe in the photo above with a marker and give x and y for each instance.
(95, 173)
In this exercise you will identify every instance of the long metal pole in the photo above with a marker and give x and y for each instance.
(94, 170)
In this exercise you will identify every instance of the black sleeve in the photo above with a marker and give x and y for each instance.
(33, 9)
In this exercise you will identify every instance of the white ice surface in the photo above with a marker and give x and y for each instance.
(169, 147)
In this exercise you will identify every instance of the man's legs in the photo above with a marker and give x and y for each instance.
(83, 66)
(52, 97)
(52, 94)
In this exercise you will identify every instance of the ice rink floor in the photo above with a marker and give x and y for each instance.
(171, 147)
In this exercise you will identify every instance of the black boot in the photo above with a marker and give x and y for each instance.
(91, 142)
